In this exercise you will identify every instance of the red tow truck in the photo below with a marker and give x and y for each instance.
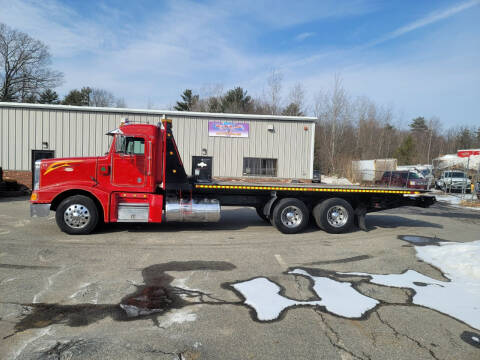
(142, 179)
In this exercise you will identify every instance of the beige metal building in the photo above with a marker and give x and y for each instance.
(239, 145)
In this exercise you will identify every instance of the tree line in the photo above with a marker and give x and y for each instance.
(348, 128)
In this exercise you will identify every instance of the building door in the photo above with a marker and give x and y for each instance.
(202, 168)
(39, 155)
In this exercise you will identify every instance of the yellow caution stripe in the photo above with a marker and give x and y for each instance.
(311, 189)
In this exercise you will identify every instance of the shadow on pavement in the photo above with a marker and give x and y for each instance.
(232, 219)
(394, 221)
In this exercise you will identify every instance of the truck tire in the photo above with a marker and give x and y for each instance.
(261, 214)
(290, 216)
(77, 215)
(334, 215)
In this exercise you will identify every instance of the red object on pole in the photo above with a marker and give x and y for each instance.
(468, 153)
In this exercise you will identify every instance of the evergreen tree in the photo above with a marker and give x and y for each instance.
(78, 97)
(237, 101)
(406, 151)
(292, 110)
(418, 124)
(49, 96)
(189, 100)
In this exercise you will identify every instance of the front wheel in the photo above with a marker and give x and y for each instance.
(290, 216)
(77, 215)
(334, 215)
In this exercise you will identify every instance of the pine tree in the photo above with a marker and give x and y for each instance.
(78, 97)
(49, 96)
(418, 124)
(406, 151)
(189, 101)
(292, 110)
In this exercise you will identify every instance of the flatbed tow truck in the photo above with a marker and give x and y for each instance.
(142, 179)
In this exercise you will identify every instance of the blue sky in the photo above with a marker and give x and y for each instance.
(420, 58)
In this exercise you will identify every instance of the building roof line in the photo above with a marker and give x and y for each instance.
(157, 112)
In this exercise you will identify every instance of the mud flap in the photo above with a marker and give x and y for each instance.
(360, 215)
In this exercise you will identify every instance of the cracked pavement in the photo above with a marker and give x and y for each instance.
(60, 295)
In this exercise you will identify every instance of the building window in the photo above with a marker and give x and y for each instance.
(259, 167)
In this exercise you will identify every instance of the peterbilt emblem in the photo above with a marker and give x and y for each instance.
(202, 164)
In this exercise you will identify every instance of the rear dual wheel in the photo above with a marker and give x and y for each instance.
(334, 215)
(290, 215)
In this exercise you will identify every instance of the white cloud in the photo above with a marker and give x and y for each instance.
(304, 35)
(427, 20)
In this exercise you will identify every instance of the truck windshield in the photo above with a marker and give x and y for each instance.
(455, 174)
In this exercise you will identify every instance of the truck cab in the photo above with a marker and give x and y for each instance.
(119, 186)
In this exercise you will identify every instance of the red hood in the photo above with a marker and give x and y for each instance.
(62, 170)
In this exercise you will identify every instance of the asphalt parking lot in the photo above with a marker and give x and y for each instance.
(166, 291)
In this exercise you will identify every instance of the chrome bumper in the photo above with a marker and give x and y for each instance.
(39, 210)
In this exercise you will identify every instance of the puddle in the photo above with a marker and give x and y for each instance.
(153, 298)
(421, 240)
(471, 338)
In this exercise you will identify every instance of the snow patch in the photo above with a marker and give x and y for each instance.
(339, 298)
(456, 201)
(459, 297)
(333, 180)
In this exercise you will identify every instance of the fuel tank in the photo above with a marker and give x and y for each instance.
(194, 210)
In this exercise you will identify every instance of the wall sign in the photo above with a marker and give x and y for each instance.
(228, 129)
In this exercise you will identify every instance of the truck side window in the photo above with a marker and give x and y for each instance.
(135, 146)
(120, 144)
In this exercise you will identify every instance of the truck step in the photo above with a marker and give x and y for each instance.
(133, 212)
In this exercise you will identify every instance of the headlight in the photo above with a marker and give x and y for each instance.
(36, 175)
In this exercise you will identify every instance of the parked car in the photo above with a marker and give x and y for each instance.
(317, 178)
(453, 181)
(408, 179)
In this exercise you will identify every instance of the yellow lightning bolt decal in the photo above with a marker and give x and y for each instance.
(59, 164)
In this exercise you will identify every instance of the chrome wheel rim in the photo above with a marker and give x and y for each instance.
(77, 216)
(291, 216)
(337, 216)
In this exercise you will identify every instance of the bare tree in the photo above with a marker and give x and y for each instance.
(332, 110)
(274, 83)
(101, 98)
(24, 66)
(296, 101)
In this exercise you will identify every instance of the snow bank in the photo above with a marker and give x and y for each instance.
(456, 201)
(458, 261)
(333, 180)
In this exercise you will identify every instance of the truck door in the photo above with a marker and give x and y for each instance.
(128, 161)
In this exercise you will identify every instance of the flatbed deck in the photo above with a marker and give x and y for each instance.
(299, 187)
